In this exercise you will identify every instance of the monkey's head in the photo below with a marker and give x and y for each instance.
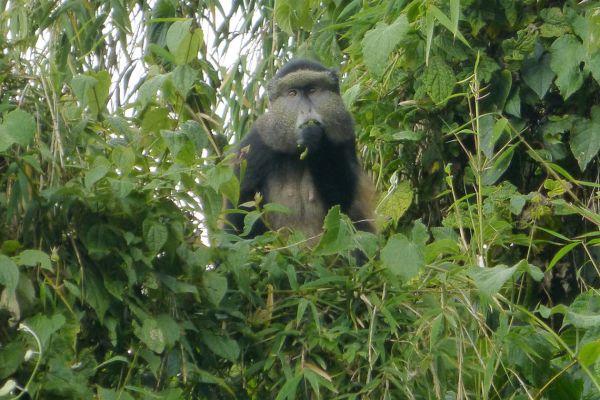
(305, 109)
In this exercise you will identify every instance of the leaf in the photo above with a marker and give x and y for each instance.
(567, 55)
(31, 258)
(215, 286)
(155, 235)
(589, 353)
(288, 390)
(538, 75)
(18, 127)
(499, 167)
(282, 14)
(439, 80)
(151, 335)
(147, 92)
(395, 203)
(221, 346)
(402, 257)
(45, 327)
(9, 274)
(196, 134)
(99, 169)
(379, 43)
(561, 253)
(123, 157)
(177, 34)
(490, 280)
(582, 321)
(183, 78)
(11, 357)
(170, 329)
(182, 42)
(585, 139)
(95, 294)
(92, 89)
(489, 133)
(447, 23)
(337, 235)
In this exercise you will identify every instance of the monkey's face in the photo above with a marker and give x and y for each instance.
(306, 108)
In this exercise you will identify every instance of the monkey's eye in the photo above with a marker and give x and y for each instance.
(311, 90)
(292, 92)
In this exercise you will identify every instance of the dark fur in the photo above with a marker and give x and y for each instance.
(328, 175)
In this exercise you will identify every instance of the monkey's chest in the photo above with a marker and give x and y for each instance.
(294, 188)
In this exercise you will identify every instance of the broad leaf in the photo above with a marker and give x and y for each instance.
(18, 127)
(221, 346)
(379, 43)
(585, 139)
(215, 286)
(567, 55)
(439, 80)
(490, 280)
(402, 257)
(538, 75)
(9, 273)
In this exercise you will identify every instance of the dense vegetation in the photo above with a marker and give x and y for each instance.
(480, 123)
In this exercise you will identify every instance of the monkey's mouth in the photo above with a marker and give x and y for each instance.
(309, 135)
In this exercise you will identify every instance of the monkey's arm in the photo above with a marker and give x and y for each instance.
(339, 180)
(259, 160)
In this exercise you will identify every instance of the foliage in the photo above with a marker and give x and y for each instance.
(479, 119)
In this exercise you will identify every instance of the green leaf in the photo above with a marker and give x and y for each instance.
(45, 327)
(585, 139)
(282, 14)
(490, 131)
(95, 294)
(149, 89)
(183, 78)
(490, 280)
(567, 55)
(92, 89)
(561, 253)
(123, 157)
(402, 257)
(582, 321)
(221, 346)
(538, 75)
(499, 167)
(439, 80)
(170, 329)
(9, 273)
(288, 390)
(196, 134)
(178, 32)
(395, 203)
(18, 127)
(337, 235)
(589, 353)
(31, 258)
(215, 286)
(99, 169)
(155, 235)
(447, 23)
(182, 42)
(151, 335)
(11, 357)
(379, 43)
